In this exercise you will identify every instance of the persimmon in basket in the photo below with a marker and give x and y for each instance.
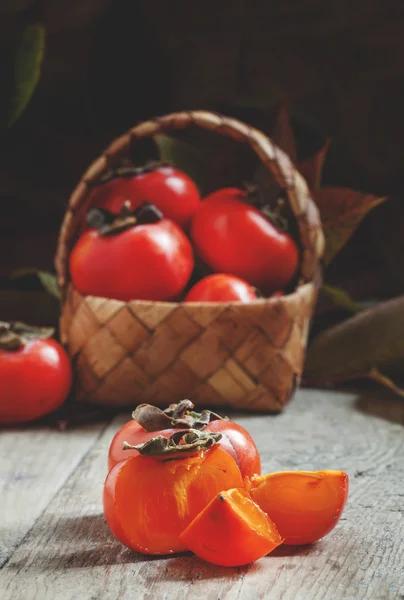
(168, 188)
(134, 255)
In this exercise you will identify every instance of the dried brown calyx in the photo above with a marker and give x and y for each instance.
(179, 415)
(127, 169)
(180, 443)
(15, 334)
(109, 223)
(256, 198)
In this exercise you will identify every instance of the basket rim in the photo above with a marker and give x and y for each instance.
(275, 160)
(297, 293)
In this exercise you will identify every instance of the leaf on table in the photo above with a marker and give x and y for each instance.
(369, 339)
(312, 168)
(184, 156)
(378, 377)
(341, 298)
(341, 211)
(24, 73)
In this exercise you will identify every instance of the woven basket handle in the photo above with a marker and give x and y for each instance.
(272, 157)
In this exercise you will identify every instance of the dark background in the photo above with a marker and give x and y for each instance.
(112, 63)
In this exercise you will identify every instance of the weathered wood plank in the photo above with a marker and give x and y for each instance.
(70, 554)
(34, 465)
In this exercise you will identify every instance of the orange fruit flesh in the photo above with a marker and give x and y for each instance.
(304, 505)
(155, 500)
(231, 531)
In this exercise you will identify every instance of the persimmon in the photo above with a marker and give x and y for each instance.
(150, 500)
(149, 421)
(304, 505)
(231, 531)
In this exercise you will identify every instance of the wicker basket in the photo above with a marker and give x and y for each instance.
(247, 356)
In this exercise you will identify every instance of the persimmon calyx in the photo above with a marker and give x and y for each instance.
(127, 169)
(109, 223)
(180, 442)
(179, 415)
(15, 334)
(255, 197)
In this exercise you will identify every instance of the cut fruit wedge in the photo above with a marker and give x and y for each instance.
(231, 531)
(304, 505)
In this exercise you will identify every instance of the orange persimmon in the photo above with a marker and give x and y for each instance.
(231, 531)
(304, 505)
(149, 501)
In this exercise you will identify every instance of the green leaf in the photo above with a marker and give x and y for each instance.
(49, 282)
(184, 156)
(370, 339)
(26, 71)
(47, 279)
(341, 299)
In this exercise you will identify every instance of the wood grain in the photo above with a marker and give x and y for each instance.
(34, 465)
(69, 553)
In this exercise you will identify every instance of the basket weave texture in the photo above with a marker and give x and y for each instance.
(247, 356)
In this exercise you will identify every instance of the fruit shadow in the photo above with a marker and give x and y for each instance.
(85, 541)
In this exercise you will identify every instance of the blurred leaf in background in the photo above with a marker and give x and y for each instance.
(20, 74)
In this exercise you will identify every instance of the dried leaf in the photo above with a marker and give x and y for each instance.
(184, 156)
(181, 442)
(15, 334)
(31, 332)
(370, 339)
(341, 211)
(312, 168)
(342, 299)
(283, 134)
(376, 375)
(178, 415)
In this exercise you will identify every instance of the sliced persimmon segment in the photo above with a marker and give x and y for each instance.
(304, 505)
(231, 531)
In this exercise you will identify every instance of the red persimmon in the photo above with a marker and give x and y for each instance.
(35, 379)
(234, 237)
(150, 421)
(221, 288)
(149, 501)
(171, 190)
(146, 261)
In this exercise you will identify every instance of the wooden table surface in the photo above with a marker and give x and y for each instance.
(54, 544)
